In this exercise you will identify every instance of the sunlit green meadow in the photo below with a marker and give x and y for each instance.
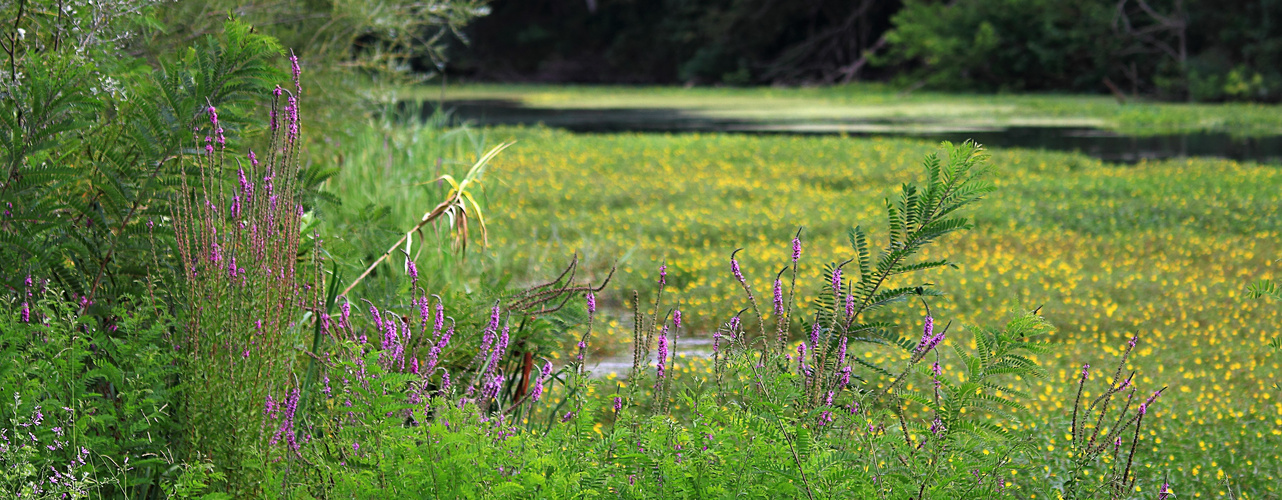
(1163, 250)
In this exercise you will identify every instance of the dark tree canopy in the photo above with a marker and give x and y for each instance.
(675, 41)
(1174, 49)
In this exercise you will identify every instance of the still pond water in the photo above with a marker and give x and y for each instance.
(1102, 144)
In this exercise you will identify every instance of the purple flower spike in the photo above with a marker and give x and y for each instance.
(663, 274)
(445, 382)
(850, 305)
(841, 352)
(927, 335)
(663, 353)
(734, 268)
(836, 282)
(345, 314)
(1086, 371)
(796, 250)
(676, 319)
(591, 303)
(538, 384)
(293, 63)
(618, 403)
(497, 354)
(1165, 492)
(814, 334)
(778, 297)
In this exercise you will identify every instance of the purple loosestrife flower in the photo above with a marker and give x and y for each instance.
(435, 353)
(927, 336)
(841, 352)
(378, 318)
(499, 349)
(493, 326)
(1149, 401)
(425, 315)
(836, 282)
(850, 305)
(734, 325)
(491, 390)
(439, 320)
(567, 417)
(663, 274)
(1165, 492)
(734, 268)
(445, 381)
(413, 271)
(778, 297)
(796, 249)
(538, 384)
(293, 66)
(814, 334)
(26, 312)
(618, 404)
(937, 427)
(345, 314)
(1086, 371)
(663, 354)
(287, 423)
(591, 303)
(801, 357)
(845, 377)
(676, 319)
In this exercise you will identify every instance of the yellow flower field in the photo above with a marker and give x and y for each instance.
(1163, 250)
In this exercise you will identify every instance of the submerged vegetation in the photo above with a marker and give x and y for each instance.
(865, 105)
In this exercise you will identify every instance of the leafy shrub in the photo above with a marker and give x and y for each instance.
(92, 410)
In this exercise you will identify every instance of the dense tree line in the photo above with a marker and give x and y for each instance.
(1174, 49)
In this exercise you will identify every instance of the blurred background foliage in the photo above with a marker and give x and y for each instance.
(1172, 49)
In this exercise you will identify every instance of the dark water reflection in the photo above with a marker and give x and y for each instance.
(1103, 144)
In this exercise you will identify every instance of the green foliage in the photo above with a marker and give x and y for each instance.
(1195, 50)
(89, 171)
(103, 386)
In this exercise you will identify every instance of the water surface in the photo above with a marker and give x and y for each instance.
(1099, 143)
